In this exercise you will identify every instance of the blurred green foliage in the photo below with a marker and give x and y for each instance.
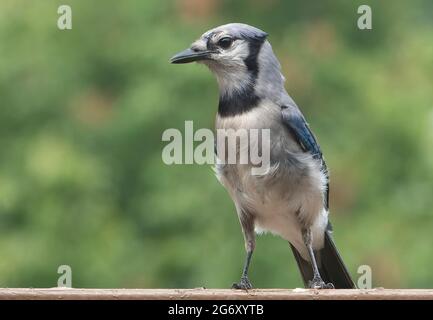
(82, 113)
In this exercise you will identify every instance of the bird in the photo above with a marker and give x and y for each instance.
(291, 198)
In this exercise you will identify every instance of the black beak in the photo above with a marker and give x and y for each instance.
(190, 55)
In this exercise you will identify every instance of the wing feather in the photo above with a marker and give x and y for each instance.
(295, 122)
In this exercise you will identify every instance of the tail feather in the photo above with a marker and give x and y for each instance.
(331, 266)
(303, 266)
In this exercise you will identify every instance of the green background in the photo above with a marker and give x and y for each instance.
(82, 113)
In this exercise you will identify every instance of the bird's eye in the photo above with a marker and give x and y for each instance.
(225, 42)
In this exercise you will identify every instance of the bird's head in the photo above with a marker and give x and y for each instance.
(224, 46)
(240, 57)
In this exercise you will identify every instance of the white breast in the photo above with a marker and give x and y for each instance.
(292, 191)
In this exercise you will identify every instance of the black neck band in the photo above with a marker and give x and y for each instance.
(237, 102)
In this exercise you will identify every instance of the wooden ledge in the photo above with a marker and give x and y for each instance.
(213, 294)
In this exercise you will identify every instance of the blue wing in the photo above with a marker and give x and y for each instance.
(297, 125)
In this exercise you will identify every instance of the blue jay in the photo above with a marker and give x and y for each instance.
(291, 198)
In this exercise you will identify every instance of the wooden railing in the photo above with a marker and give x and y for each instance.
(213, 294)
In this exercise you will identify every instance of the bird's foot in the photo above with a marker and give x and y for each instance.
(318, 283)
(243, 284)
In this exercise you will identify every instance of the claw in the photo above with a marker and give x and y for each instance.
(243, 284)
(318, 283)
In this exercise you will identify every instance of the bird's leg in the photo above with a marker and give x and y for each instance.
(250, 242)
(316, 282)
(245, 283)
